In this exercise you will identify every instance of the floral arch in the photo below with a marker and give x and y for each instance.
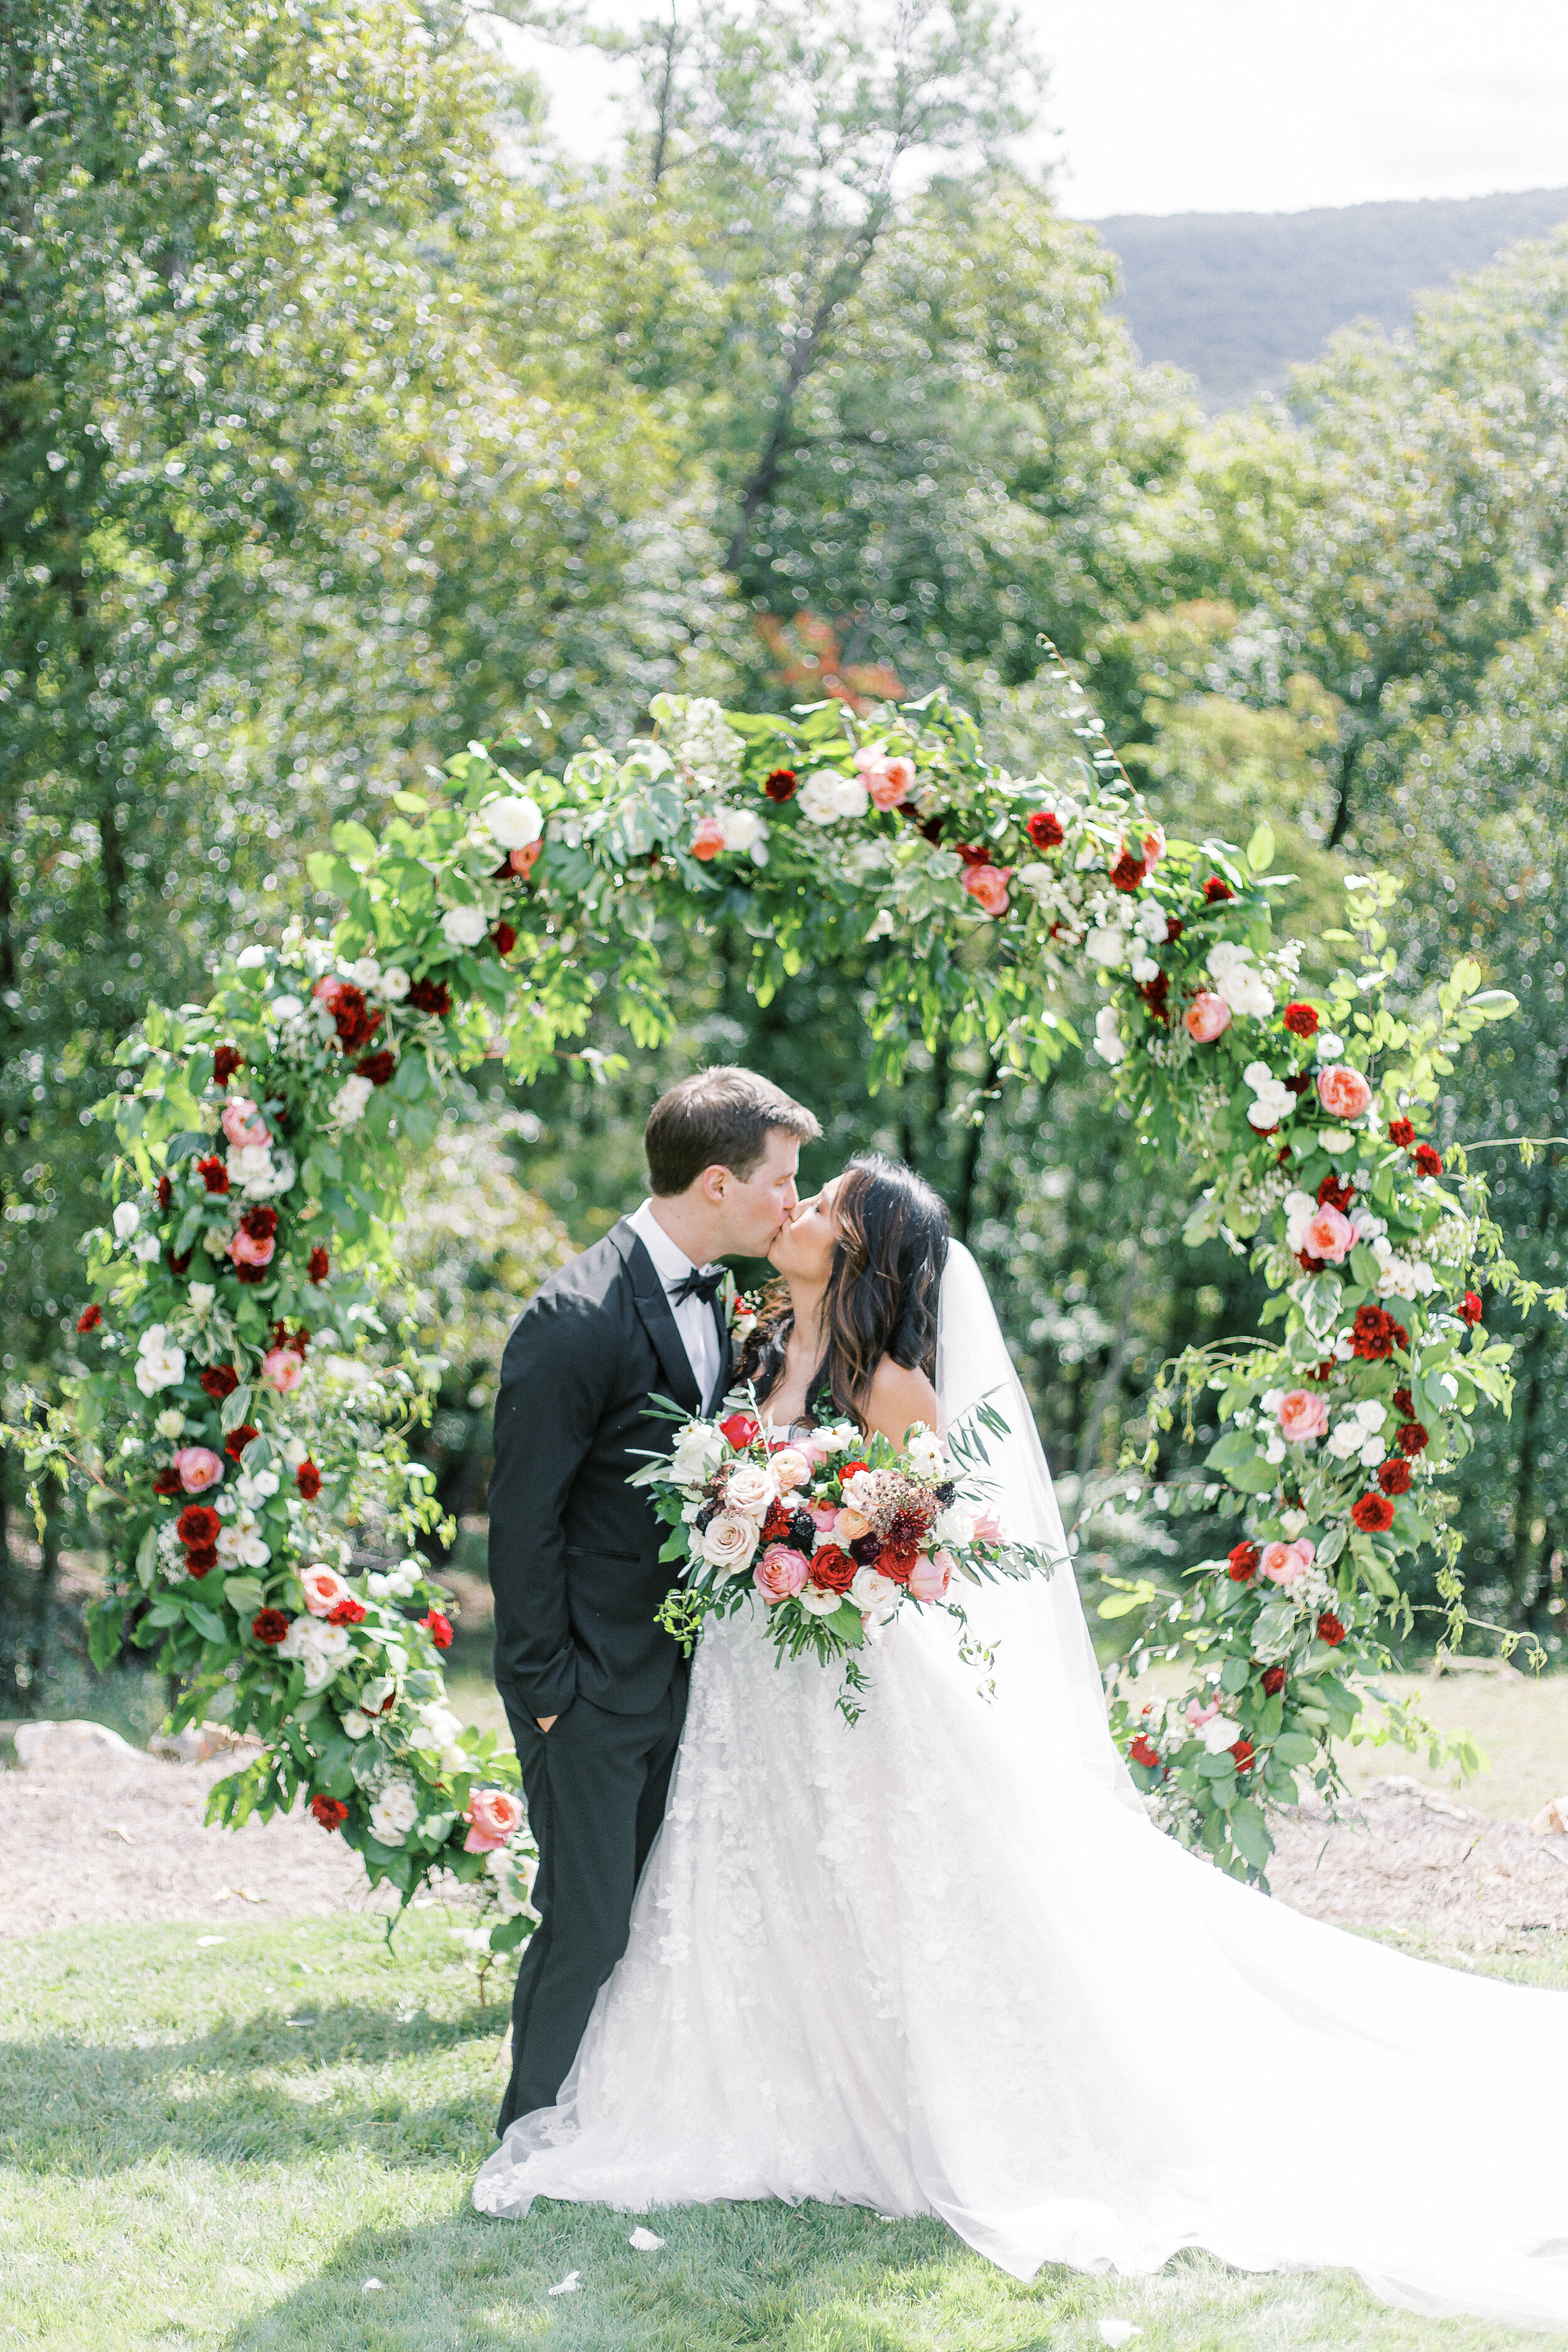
(233, 1427)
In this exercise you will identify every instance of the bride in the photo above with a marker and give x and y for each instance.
(940, 1962)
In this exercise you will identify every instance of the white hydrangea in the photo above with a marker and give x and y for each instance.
(1236, 979)
(395, 1811)
(348, 1106)
(158, 1365)
(826, 796)
(1272, 1099)
(1108, 1042)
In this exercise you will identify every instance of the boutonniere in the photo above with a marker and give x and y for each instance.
(742, 1308)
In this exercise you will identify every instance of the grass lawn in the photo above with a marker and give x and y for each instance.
(218, 2143)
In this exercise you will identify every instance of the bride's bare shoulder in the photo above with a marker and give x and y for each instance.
(898, 1398)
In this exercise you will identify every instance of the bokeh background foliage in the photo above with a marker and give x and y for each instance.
(344, 418)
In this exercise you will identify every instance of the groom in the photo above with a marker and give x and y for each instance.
(594, 1690)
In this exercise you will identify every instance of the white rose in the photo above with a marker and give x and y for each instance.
(750, 1490)
(1300, 1210)
(127, 1217)
(873, 1590)
(393, 1813)
(320, 1649)
(395, 983)
(201, 1295)
(1145, 969)
(955, 1525)
(1372, 1454)
(818, 797)
(513, 824)
(1346, 1439)
(355, 1723)
(1151, 921)
(158, 1365)
(1219, 1733)
(1274, 1452)
(464, 926)
(728, 1541)
(145, 1250)
(1107, 946)
(1329, 1047)
(250, 959)
(742, 830)
(817, 1603)
(1370, 1413)
(1108, 1040)
(286, 1008)
(699, 1451)
(170, 1421)
(348, 1105)
(851, 796)
(928, 1455)
(366, 972)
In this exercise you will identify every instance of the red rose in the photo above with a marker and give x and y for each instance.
(321, 1265)
(168, 1482)
(166, 1193)
(1175, 927)
(1375, 1334)
(1334, 1192)
(970, 855)
(90, 1317)
(326, 1810)
(198, 1523)
(1301, 1020)
(896, 1561)
(1373, 1514)
(1401, 1132)
(780, 785)
(379, 1067)
(1143, 1751)
(213, 1174)
(431, 996)
(1330, 1629)
(180, 1265)
(1128, 872)
(849, 1470)
(1412, 1438)
(740, 1429)
(1273, 1681)
(1428, 1161)
(1215, 888)
(219, 1380)
(200, 1558)
(347, 1612)
(352, 1019)
(1244, 1559)
(1393, 1477)
(236, 1440)
(505, 938)
(308, 1479)
(1404, 1402)
(271, 1627)
(1045, 829)
(833, 1568)
(260, 1221)
(226, 1061)
(1469, 1309)
(1154, 994)
(1244, 1752)
(439, 1625)
(1309, 1263)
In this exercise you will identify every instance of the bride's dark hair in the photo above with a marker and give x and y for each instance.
(882, 1285)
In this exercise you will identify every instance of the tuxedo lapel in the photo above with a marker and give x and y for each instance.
(657, 1320)
(726, 1357)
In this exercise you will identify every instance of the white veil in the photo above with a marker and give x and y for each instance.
(1048, 1685)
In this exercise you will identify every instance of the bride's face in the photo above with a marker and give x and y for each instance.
(804, 1245)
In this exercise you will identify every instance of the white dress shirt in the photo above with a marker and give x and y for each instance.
(694, 1317)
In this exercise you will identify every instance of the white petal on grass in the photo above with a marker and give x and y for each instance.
(571, 2284)
(643, 2241)
(373, 2286)
(211, 1939)
(1118, 2331)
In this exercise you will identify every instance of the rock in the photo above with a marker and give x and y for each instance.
(58, 1743)
(1552, 1817)
(193, 1745)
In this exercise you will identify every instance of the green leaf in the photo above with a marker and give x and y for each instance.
(1260, 848)
(1294, 1748)
(1492, 1004)
(208, 1620)
(235, 1407)
(1364, 1266)
(352, 839)
(244, 1593)
(147, 1556)
(1249, 1833)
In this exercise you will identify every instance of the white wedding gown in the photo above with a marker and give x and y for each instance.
(940, 1962)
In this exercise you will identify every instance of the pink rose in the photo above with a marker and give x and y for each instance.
(708, 838)
(988, 1527)
(987, 885)
(199, 1468)
(1329, 1236)
(325, 1589)
(823, 1516)
(929, 1579)
(523, 861)
(1303, 1415)
(494, 1815)
(889, 781)
(1282, 1563)
(1207, 1016)
(1149, 845)
(248, 1249)
(780, 1572)
(243, 1123)
(282, 1370)
(1343, 1093)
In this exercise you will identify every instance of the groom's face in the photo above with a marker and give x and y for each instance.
(755, 1206)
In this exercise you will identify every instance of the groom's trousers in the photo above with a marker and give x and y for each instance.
(595, 1785)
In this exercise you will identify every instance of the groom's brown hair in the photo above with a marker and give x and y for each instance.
(719, 1117)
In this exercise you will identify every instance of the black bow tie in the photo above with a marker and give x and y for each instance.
(705, 1284)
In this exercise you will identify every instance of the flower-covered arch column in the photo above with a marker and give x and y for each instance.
(241, 1408)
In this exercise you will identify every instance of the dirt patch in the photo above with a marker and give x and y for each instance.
(1401, 1856)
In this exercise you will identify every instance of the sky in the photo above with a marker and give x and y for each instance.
(1167, 106)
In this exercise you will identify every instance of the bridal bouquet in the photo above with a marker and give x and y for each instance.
(834, 1532)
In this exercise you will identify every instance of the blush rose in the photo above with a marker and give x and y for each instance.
(493, 1816)
(1303, 1415)
(1206, 1017)
(324, 1590)
(282, 1370)
(780, 1572)
(199, 1468)
(1344, 1092)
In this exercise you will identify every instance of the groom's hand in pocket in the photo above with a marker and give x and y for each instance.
(544, 1721)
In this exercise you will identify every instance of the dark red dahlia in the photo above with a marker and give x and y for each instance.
(1175, 927)
(1154, 994)
(236, 1440)
(200, 1558)
(1046, 830)
(432, 996)
(1244, 1752)
(352, 1019)
(1336, 1192)
(1244, 1559)
(1428, 1161)
(1273, 1681)
(1395, 1476)
(166, 1193)
(1413, 1438)
(971, 854)
(213, 1173)
(1375, 1334)
(168, 1482)
(259, 1222)
(198, 1523)
(1301, 1020)
(226, 1061)
(1330, 1629)
(1401, 1132)
(347, 1612)
(1404, 1402)
(505, 938)
(1128, 872)
(781, 784)
(379, 1068)
(1144, 1751)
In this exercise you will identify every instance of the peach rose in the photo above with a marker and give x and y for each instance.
(1282, 1563)
(523, 861)
(848, 1526)
(1344, 1092)
(1329, 1236)
(1207, 1016)
(780, 1572)
(987, 885)
(282, 1370)
(791, 1468)
(929, 1579)
(1303, 1415)
(708, 838)
(750, 1488)
(243, 1123)
(728, 1541)
(494, 1815)
(246, 1249)
(199, 1468)
(325, 1589)
(887, 780)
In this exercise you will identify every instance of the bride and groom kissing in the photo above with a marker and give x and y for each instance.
(938, 1960)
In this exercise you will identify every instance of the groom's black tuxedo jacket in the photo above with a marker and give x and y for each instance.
(574, 1550)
